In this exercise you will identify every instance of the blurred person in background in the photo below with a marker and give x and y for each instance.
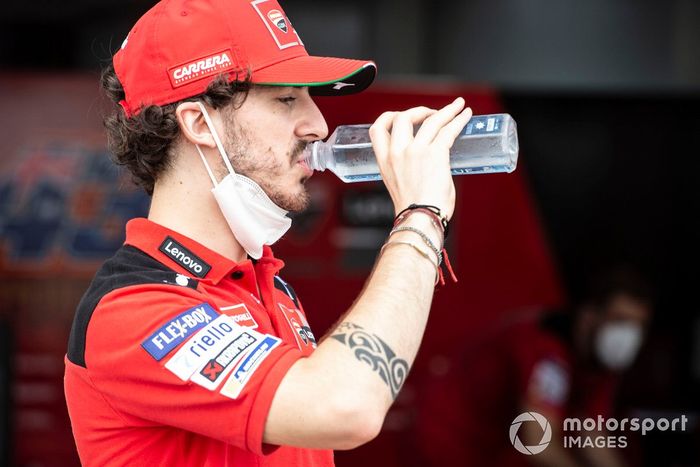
(560, 364)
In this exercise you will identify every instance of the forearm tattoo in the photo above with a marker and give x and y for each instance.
(376, 353)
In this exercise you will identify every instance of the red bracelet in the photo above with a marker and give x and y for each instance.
(441, 225)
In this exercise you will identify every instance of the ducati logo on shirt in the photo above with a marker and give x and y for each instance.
(301, 328)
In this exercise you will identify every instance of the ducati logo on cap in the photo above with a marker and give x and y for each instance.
(277, 19)
(277, 23)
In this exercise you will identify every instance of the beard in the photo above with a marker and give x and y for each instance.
(265, 169)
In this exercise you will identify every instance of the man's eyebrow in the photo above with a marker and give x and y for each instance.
(270, 88)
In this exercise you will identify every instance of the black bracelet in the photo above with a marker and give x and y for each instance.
(434, 209)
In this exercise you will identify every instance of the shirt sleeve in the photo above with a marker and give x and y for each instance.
(163, 355)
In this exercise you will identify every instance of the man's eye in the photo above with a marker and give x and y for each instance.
(286, 100)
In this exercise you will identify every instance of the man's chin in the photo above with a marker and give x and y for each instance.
(293, 203)
(299, 205)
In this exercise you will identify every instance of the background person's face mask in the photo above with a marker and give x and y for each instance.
(617, 344)
(251, 215)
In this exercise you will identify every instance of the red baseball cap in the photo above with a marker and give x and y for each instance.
(177, 47)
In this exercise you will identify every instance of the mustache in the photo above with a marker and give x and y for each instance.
(298, 149)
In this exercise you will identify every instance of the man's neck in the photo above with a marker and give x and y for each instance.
(194, 213)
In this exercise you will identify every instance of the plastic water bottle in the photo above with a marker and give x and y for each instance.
(487, 144)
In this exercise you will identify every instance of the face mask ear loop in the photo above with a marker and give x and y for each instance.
(206, 164)
(220, 146)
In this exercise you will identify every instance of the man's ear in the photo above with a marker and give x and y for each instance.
(193, 126)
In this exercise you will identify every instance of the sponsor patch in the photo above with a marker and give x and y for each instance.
(277, 23)
(302, 330)
(216, 368)
(184, 257)
(240, 314)
(244, 370)
(201, 68)
(203, 346)
(175, 331)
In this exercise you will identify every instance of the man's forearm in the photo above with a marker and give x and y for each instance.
(383, 329)
(360, 366)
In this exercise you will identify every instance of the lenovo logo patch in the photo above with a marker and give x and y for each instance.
(184, 257)
(200, 68)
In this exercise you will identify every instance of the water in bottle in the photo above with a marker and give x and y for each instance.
(487, 144)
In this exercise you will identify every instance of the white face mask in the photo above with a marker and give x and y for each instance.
(617, 344)
(251, 215)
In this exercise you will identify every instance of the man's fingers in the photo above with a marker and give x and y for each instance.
(446, 137)
(379, 134)
(402, 129)
(384, 121)
(431, 126)
(392, 132)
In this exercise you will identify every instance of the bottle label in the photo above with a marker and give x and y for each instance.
(483, 125)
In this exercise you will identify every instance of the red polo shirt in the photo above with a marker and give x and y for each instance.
(176, 353)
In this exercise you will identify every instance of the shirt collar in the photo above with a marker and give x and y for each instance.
(187, 256)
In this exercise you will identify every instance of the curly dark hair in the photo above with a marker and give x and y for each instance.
(142, 143)
(619, 279)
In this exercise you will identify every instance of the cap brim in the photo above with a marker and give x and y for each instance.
(325, 76)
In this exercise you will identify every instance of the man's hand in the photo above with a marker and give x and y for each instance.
(416, 169)
(350, 381)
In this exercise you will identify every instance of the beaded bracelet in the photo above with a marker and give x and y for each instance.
(423, 253)
(434, 219)
(423, 236)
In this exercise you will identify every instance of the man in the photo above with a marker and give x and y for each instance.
(561, 365)
(188, 348)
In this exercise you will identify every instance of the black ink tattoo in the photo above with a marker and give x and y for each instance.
(376, 353)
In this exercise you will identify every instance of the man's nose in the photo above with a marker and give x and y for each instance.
(312, 125)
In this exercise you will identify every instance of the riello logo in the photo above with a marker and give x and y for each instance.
(200, 68)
